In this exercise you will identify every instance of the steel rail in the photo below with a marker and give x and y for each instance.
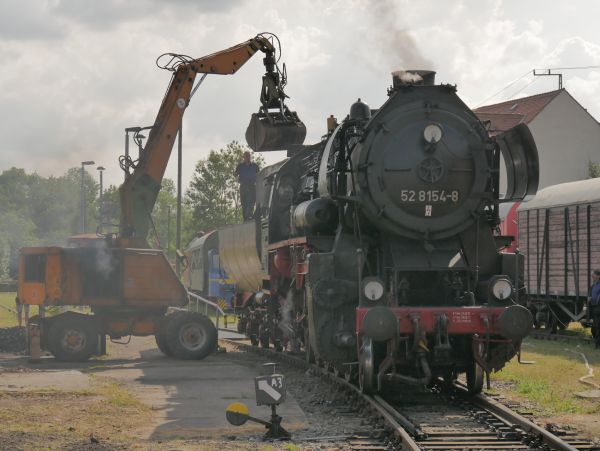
(399, 432)
(408, 444)
(526, 425)
(398, 424)
(405, 422)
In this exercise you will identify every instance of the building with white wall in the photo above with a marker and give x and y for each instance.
(566, 135)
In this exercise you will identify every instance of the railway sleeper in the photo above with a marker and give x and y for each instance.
(505, 430)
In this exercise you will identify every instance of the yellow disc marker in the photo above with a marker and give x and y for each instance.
(237, 413)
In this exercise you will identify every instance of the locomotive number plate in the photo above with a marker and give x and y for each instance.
(432, 196)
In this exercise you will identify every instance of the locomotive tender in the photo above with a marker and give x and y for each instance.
(373, 249)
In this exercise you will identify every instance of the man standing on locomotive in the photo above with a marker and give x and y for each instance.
(246, 172)
(594, 306)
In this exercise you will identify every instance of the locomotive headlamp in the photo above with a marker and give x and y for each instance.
(432, 133)
(372, 288)
(501, 288)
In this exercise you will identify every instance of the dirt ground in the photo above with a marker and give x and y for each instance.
(134, 398)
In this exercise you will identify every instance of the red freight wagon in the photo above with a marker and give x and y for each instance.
(508, 225)
(559, 234)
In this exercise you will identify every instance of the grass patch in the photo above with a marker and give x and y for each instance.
(577, 330)
(8, 318)
(292, 447)
(552, 382)
(106, 409)
(286, 447)
(118, 396)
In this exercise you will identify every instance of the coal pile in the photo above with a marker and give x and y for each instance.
(13, 339)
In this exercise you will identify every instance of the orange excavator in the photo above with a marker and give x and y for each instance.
(130, 288)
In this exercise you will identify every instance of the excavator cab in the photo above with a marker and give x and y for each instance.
(274, 127)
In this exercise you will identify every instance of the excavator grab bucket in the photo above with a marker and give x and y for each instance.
(274, 131)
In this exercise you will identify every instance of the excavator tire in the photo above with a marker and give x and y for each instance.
(190, 336)
(73, 337)
(161, 335)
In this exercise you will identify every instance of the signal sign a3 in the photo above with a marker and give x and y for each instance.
(270, 390)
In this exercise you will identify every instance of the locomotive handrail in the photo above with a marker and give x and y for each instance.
(201, 300)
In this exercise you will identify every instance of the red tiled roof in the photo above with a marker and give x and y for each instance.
(501, 122)
(506, 115)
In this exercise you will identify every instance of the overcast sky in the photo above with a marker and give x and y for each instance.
(77, 72)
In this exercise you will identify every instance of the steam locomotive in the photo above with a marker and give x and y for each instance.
(373, 251)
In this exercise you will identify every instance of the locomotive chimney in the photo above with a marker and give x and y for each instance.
(413, 78)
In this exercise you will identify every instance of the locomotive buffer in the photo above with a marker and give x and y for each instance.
(270, 391)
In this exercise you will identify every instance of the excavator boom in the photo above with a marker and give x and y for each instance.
(140, 189)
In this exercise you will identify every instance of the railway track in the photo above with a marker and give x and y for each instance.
(433, 419)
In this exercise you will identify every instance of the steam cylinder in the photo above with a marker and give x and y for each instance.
(317, 215)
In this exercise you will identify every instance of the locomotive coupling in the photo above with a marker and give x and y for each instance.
(515, 322)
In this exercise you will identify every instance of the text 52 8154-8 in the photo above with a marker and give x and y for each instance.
(433, 196)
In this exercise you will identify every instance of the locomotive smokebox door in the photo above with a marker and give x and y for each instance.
(270, 390)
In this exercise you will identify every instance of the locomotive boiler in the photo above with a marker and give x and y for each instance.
(373, 250)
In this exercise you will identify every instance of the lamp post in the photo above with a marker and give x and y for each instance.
(178, 218)
(83, 165)
(101, 169)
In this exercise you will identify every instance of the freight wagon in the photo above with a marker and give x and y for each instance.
(559, 235)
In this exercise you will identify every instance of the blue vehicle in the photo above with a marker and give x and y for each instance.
(205, 275)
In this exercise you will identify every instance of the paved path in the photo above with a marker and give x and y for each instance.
(188, 398)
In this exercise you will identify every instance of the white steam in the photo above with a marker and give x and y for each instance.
(407, 77)
(104, 261)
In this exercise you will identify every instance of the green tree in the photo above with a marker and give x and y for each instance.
(91, 190)
(35, 210)
(109, 210)
(15, 189)
(54, 208)
(164, 218)
(213, 193)
(593, 170)
(17, 232)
